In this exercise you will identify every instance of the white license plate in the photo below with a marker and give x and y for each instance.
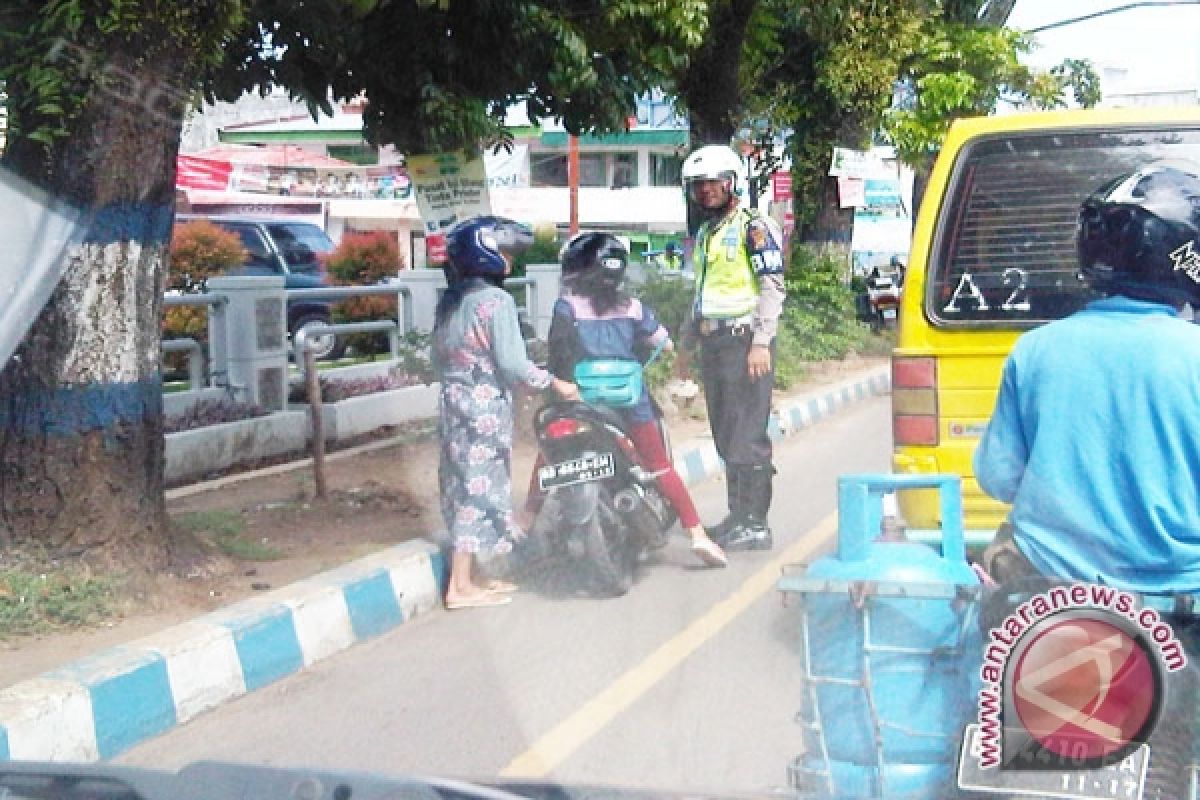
(1123, 781)
(577, 470)
(889, 313)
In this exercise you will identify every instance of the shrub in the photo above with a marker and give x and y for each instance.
(364, 259)
(669, 295)
(199, 250)
(212, 412)
(818, 321)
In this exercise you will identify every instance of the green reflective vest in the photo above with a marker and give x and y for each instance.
(727, 287)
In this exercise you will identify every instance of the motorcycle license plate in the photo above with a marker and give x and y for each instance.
(1123, 781)
(889, 313)
(577, 470)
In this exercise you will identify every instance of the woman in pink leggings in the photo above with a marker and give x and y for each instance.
(595, 319)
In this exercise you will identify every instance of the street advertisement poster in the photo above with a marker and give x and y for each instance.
(781, 202)
(450, 187)
(848, 163)
(882, 224)
(388, 181)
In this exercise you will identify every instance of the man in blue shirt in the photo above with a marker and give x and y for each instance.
(1095, 439)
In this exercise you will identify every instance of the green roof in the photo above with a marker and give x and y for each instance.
(646, 136)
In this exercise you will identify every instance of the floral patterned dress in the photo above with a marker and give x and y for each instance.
(479, 356)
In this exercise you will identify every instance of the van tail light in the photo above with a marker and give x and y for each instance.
(914, 401)
(565, 428)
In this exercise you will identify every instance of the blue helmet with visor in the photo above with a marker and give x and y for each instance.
(476, 248)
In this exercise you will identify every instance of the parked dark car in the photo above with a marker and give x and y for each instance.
(292, 249)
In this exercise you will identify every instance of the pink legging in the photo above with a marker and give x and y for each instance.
(649, 444)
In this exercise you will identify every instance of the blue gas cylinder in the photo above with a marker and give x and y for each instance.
(890, 637)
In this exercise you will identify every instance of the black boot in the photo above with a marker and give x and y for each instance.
(733, 493)
(753, 533)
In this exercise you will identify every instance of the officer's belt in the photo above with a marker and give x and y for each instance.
(740, 326)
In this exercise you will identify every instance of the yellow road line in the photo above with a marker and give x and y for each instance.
(560, 742)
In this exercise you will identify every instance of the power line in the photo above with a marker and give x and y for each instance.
(1108, 11)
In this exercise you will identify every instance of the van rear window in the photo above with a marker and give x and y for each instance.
(1005, 251)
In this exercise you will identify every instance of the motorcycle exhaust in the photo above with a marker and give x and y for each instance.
(627, 501)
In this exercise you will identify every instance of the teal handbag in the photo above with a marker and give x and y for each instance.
(612, 382)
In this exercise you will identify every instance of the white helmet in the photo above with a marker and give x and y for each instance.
(711, 163)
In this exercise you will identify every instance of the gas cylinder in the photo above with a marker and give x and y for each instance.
(890, 635)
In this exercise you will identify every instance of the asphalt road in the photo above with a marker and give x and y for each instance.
(688, 682)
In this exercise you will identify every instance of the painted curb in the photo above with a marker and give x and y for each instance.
(102, 705)
(698, 460)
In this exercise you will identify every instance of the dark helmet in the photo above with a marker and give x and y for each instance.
(1137, 235)
(594, 259)
(476, 247)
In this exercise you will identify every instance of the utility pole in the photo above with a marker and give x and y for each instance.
(573, 181)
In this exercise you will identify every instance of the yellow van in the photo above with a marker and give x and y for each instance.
(994, 255)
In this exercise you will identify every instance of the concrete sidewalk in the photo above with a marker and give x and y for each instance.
(102, 705)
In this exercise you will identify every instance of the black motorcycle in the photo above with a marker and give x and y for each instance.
(603, 506)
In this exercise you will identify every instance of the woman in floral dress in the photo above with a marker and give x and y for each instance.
(479, 356)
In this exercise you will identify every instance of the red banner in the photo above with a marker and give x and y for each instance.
(202, 173)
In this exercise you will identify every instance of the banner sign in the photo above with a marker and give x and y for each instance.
(449, 188)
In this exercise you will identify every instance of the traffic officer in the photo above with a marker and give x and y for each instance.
(739, 264)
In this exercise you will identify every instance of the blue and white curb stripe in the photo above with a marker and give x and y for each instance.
(100, 706)
(698, 460)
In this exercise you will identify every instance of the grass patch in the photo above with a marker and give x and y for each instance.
(38, 602)
(226, 530)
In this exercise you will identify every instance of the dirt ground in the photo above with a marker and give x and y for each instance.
(377, 499)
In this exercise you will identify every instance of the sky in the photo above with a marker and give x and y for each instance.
(1159, 46)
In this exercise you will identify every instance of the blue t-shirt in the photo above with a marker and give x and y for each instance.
(1095, 441)
(578, 332)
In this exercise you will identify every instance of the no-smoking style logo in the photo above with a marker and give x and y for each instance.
(1084, 688)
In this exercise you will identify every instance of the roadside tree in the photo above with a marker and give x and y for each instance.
(96, 96)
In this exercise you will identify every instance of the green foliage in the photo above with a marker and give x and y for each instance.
(818, 320)
(827, 77)
(439, 75)
(966, 69)
(39, 602)
(670, 295)
(63, 57)
(544, 249)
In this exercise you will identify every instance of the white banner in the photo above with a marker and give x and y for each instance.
(507, 170)
(855, 163)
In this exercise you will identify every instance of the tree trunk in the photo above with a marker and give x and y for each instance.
(827, 222)
(711, 87)
(833, 224)
(81, 435)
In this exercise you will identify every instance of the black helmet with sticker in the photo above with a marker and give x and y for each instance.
(1139, 235)
(594, 259)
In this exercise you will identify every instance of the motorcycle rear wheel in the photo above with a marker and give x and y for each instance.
(609, 551)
